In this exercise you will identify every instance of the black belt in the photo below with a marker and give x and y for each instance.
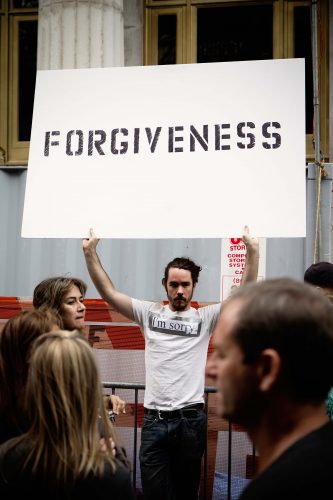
(187, 411)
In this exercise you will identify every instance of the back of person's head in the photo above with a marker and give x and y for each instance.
(182, 263)
(16, 340)
(296, 320)
(65, 397)
(320, 274)
(50, 292)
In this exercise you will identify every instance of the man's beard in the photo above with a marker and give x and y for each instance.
(180, 303)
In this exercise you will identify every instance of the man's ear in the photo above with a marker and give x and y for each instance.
(269, 368)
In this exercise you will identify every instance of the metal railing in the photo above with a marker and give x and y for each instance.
(208, 390)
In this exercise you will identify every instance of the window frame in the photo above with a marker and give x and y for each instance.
(18, 151)
(151, 51)
(283, 43)
(289, 9)
(3, 88)
(12, 151)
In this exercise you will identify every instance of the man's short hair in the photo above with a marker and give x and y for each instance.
(182, 263)
(320, 274)
(296, 320)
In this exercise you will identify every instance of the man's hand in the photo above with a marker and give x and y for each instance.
(89, 244)
(115, 403)
(252, 244)
(250, 272)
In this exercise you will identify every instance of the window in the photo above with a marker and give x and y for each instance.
(190, 31)
(234, 34)
(18, 58)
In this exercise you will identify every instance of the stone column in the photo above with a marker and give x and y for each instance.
(80, 34)
(133, 32)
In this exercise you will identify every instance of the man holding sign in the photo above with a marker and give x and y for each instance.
(177, 335)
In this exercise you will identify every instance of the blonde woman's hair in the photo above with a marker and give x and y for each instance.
(64, 393)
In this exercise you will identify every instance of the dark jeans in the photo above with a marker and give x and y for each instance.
(170, 456)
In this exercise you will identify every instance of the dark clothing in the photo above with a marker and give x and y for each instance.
(170, 455)
(303, 471)
(8, 430)
(18, 483)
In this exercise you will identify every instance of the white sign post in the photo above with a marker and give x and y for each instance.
(181, 151)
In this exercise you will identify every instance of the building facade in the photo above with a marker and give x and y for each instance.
(63, 34)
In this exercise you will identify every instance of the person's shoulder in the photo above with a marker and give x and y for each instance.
(119, 482)
(210, 306)
(313, 452)
(303, 469)
(120, 474)
(209, 309)
(8, 430)
(315, 441)
(13, 454)
(146, 305)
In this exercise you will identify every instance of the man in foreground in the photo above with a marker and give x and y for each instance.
(273, 365)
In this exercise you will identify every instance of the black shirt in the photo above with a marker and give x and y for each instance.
(303, 471)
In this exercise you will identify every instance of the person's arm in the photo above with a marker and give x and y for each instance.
(102, 282)
(250, 272)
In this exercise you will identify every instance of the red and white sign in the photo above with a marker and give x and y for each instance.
(233, 255)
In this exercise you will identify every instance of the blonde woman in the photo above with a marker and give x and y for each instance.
(60, 455)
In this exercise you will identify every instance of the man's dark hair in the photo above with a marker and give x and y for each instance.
(320, 274)
(296, 320)
(182, 263)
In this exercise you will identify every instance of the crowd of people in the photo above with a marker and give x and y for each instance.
(272, 365)
(56, 437)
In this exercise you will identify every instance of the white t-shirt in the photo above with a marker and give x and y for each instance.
(175, 352)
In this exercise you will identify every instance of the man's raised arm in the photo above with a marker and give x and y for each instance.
(251, 267)
(102, 282)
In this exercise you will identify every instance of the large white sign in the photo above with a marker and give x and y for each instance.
(180, 151)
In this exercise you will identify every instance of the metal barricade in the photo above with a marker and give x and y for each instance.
(229, 490)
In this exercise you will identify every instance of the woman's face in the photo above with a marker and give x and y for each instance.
(72, 309)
